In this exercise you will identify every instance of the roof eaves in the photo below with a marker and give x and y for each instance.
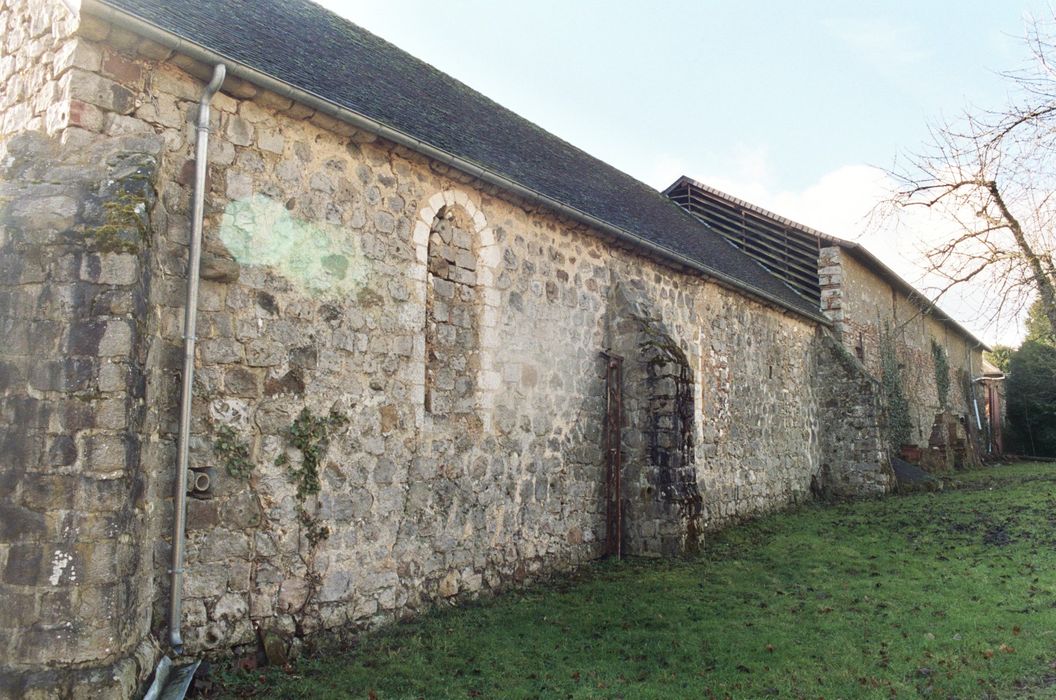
(179, 44)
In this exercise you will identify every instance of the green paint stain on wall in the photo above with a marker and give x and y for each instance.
(317, 257)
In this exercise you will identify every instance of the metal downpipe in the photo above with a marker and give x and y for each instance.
(190, 322)
(971, 388)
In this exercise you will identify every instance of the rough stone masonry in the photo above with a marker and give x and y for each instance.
(400, 392)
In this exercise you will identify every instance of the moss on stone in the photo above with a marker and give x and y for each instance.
(124, 229)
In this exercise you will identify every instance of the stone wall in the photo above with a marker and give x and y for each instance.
(862, 305)
(37, 50)
(354, 258)
(662, 503)
(855, 459)
(758, 445)
(76, 577)
(452, 352)
(400, 391)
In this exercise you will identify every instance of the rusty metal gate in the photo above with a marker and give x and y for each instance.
(613, 461)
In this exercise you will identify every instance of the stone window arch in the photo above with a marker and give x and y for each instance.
(457, 260)
(452, 315)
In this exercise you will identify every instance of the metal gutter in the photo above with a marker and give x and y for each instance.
(190, 323)
(201, 53)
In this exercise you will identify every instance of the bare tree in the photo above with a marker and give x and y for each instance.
(993, 173)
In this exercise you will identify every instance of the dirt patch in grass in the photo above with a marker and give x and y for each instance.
(940, 595)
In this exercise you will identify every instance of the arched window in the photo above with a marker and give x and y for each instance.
(452, 314)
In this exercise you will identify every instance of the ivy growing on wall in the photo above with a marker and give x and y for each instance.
(310, 434)
(232, 452)
(942, 374)
(899, 423)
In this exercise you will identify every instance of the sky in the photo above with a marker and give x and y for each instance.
(799, 108)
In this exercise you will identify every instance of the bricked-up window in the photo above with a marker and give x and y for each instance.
(452, 358)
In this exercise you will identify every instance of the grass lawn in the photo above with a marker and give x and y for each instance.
(942, 595)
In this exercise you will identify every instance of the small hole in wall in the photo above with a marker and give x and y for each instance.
(648, 490)
(771, 371)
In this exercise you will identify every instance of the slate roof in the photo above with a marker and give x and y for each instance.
(314, 50)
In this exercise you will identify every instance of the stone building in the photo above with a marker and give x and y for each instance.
(873, 310)
(438, 352)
